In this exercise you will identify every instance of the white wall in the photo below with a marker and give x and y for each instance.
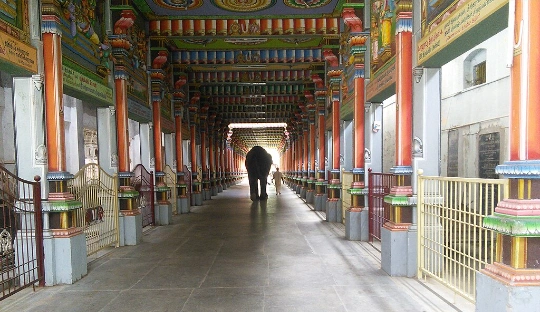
(476, 110)
(389, 134)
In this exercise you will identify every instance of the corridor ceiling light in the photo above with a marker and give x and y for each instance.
(250, 125)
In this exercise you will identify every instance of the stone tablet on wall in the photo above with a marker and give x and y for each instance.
(452, 165)
(489, 150)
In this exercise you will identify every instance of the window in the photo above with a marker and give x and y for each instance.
(479, 73)
(474, 68)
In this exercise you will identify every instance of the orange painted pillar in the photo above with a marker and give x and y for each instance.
(359, 121)
(193, 148)
(335, 132)
(516, 219)
(404, 99)
(156, 120)
(358, 183)
(322, 145)
(122, 135)
(400, 211)
(312, 146)
(203, 157)
(178, 144)
(305, 160)
(54, 106)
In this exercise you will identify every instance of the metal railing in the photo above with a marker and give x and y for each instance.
(452, 244)
(143, 182)
(98, 193)
(21, 234)
(170, 181)
(379, 185)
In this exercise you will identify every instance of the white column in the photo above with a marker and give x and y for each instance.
(107, 148)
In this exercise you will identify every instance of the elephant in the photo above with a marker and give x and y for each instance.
(258, 163)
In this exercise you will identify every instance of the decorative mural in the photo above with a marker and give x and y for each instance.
(244, 5)
(383, 26)
(445, 21)
(179, 4)
(83, 40)
(14, 13)
(433, 12)
(309, 4)
(16, 55)
(129, 42)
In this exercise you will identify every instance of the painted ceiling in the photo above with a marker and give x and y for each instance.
(249, 61)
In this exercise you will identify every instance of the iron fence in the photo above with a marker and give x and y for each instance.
(21, 234)
(379, 186)
(143, 182)
(452, 243)
(98, 193)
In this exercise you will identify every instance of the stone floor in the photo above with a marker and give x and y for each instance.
(231, 254)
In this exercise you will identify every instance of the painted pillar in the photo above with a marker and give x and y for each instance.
(512, 281)
(401, 212)
(64, 239)
(334, 74)
(204, 157)
(357, 218)
(305, 158)
(398, 237)
(320, 184)
(196, 199)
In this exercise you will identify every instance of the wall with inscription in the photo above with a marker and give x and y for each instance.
(470, 115)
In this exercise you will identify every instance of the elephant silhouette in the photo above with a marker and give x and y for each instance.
(258, 163)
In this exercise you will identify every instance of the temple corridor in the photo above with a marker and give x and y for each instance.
(231, 254)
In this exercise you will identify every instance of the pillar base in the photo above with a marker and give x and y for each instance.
(320, 202)
(207, 195)
(183, 204)
(130, 225)
(67, 262)
(196, 199)
(214, 191)
(333, 211)
(398, 250)
(494, 295)
(220, 188)
(163, 212)
(303, 192)
(310, 197)
(356, 224)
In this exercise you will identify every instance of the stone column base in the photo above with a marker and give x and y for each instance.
(310, 197)
(214, 191)
(398, 250)
(320, 202)
(333, 211)
(130, 227)
(206, 194)
(163, 212)
(67, 261)
(357, 224)
(494, 295)
(303, 192)
(183, 204)
(220, 188)
(196, 199)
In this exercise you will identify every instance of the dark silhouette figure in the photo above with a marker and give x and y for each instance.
(258, 163)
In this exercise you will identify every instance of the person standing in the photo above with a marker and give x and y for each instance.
(277, 177)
